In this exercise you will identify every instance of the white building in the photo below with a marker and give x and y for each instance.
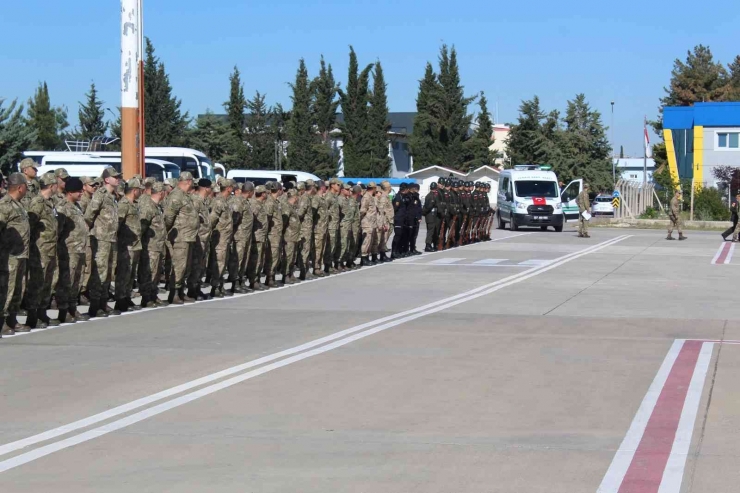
(631, 169)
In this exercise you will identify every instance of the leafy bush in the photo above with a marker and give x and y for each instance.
(709, 205)
(650, 213)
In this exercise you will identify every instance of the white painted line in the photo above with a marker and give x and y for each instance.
(535, 262)
(407, 316)
(674, 471)
(623, 457)
(490, 261)
(719, 253)
(444, 261)
(426, 254)
(729, 255)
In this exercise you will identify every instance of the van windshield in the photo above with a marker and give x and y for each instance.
(531, 188)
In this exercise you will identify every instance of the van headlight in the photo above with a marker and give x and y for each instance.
(521, 205)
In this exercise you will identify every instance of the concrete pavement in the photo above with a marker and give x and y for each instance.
(513, 365)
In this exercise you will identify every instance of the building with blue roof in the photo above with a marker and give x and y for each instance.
(701, 137)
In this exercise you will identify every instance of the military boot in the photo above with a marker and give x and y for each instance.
(84, 300)
(184, 297)
(365, 262)
(257, 286)
(96, 310)
(308, 276)
(318, 273)
(48, 321)
(681, 237)
(270, 282)
(374, 260)
(78, 317)
(62, 317)
(132, 306)
(174, 297)
(122, 306)
(669, 237)
(32, 320)
(428, 248)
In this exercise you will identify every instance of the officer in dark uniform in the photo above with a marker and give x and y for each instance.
(431, 213)
(399, 221)
(445, 212)
(454, 213)
(416, 214)
(465, 212)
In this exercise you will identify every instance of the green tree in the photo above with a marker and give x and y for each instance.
(621, 152)
(478, 147)
(15, 136)
(455, 120)
(526, 142)
(301, 134)
(697, 79)
(260, 142)
(279, 131)
(91, 116)
(237, 103)
(216, 138)
(733, 93)
(355, 145)
(48, 123)
(424, 141)
(324, 109)
(166, 125)
(378, 126)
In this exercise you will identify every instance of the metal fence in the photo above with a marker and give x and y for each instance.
(635, 197)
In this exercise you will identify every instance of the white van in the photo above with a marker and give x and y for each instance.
(530, 196)
(93, 167)
(260, 177)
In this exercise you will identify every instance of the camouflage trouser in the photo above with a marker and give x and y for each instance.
(128, 261)
(357, 230)
(332, 248)
(272, 254)
(256, 261)
(582, 225)
(291, 248)
(182, 263)
(238, 257)
(150, 268)
(104, 253)
(736, 231)
(220, 250)
(12, 284)
(200, 255)
(167, 264)
(319, 240)
(345, 243)
(88, 266)
(306, 246)
(675, 222)
(41, 270)
(370, 242)
(71, 268)
(383, 236)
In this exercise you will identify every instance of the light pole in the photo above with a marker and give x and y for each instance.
(614, 162)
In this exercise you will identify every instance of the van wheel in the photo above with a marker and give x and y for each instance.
(543, 228)
(513, 225)
(499, 223)
(559, 229)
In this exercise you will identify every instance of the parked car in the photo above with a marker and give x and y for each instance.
(602, 205)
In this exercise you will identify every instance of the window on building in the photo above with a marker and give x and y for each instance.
(728, 140)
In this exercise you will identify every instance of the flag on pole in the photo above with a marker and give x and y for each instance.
(648, 149)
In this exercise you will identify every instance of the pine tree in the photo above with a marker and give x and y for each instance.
(621, 152)
(424, 141)
(91, 116)
(216, 139)
(15, 136)
(478, 145)
(260, 143)
(237, 103)
(527, 132)
(166, 125)
(697, 79)
(301, 134)
(378, 126)
(733, 93)
(324, 110)
(455, 120)
(48, 123)
(279, 132)
(355, 145)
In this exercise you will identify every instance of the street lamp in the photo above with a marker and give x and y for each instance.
(614, 162)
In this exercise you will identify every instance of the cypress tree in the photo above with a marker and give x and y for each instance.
(15, 136)
(279, 132)
(166, 125)
(378, 126)
(455, 120)
(91, 116)
(424, 141)
(301, 135)
(213, 136)
(525, 133)
(237, 103)
(324, 109)
(260, 143)
(478, 145)
(355, 145)
(47, 122)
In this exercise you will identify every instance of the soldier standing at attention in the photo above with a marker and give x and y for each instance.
(202, 240)
(356, 199)
(320, 228)
(73, 240)
(243, 233)
(430, 211)
(292, 235)
(386, 215)
(347, 213)
(181, 221)
(15, 237)
(259, 235)
(444, 213)
(102, 218)
(399, 218)
(129, 245)
(583, 205)
(274, 210)
(416, 215)
(333, 207)
(222, 225)
(42, 262)
(29, 168)
(305, 214)
(369, 218)
(62, 176)
(89, 186)
(153, 237)
(674, 216)
(238, 245)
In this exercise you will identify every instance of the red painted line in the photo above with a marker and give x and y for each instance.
(648, 464)
(725, 251)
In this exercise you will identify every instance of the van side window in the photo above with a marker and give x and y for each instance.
(504, 185)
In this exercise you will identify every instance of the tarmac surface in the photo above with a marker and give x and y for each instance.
(536, 362)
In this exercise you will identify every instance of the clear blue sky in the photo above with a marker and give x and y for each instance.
(621, 51)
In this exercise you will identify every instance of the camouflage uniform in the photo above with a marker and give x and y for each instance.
(386, 215)
(15, 237)
(83, 203)
(346, 214)
(222, 224)
(42, 262)
(274, 211)
(321, 226)
(71, 248)
(583, 203)
(201, 246)
(674, 217)
(153, 236)
(356, 229)
(129, 244)
(332, 243)
(369, 218)
(182, 223)
(242, 244)
(292, 236)
(102, 215)
(257, 256)
(305, 214)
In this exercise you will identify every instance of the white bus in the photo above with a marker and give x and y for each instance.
(260, 177)
(93, 166)
(186, 159)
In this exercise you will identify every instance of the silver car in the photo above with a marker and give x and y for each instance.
(602, 205)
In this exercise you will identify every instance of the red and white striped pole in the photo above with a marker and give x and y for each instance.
(131, 120)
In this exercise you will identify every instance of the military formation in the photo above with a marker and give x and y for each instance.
(66, 242)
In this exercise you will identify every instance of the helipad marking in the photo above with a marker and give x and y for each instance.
(724, 253)
(445, 261)
(535, 262)
(490, 261)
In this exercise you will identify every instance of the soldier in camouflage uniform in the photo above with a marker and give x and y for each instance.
(674, 216)
(305, 214)
(347, 211)
(273, 209)
(89, 186)
(201, 247)
(222, 225)
(320, 227)
(102, 217)
(259, 236)
(153, 237)
(73, 240)
(354, 253)
(385, 220)
(15, 237)
(62, 176)
(242, 243)
(292, 235)
(29, 168)
(369, 223)
(42, 262)
(583, 202)
(129, 244)
(181, 221)
(331, 250)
